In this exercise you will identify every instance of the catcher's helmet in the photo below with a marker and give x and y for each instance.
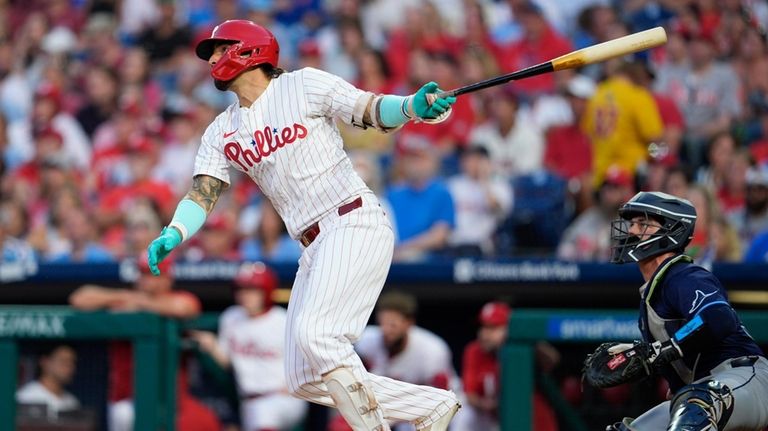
(259, 276)
(677, 217)
(252, 45)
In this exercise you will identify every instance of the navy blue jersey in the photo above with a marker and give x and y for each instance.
(686, 290)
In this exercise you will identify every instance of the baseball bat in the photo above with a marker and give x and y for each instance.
(592, 54)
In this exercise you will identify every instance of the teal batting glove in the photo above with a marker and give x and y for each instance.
(161, 246)
(426, 111)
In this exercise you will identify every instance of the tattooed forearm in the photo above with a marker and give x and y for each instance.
(206, 191)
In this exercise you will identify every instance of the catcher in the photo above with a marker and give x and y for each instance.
(718, 376)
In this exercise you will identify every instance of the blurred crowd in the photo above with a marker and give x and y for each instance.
(102, 105)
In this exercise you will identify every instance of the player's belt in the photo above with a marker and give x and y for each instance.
(313, 231)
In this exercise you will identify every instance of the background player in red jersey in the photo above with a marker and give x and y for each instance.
(480, 375)
(154, 295)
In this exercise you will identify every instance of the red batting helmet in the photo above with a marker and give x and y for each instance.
(257, 275)
(252, 45)
(494, 314)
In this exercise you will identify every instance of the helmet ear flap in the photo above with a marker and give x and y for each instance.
(231, 63)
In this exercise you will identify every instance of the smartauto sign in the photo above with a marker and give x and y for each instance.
(592, 328)
(31, 325)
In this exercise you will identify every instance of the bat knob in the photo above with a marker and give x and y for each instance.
(431, 97)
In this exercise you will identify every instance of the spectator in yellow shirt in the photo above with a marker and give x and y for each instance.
(621, 120)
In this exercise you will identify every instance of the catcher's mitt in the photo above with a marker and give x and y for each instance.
(614, 363)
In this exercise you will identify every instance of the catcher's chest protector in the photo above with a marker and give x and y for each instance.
(662, 329)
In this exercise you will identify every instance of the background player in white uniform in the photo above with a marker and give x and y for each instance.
(282, 133)
(251, 341)
(396, 347)
(56, 370)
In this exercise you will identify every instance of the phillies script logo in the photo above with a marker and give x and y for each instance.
(265, 142)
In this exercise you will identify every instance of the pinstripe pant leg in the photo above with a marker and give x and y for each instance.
(339, 280)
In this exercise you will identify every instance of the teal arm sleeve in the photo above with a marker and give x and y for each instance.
(393, 110)
(188, 218)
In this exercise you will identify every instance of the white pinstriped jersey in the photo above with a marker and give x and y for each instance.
(288, 143)
(256, 348)
(426, 359)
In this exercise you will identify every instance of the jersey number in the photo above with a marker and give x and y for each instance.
(605, 121)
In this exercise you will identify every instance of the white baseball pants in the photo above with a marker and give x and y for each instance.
(340, 277)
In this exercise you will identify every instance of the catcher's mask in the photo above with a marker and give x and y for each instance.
(252, 45)
(675, 217)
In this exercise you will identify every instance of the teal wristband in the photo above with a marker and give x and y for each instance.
(188, 218)
(393, 110)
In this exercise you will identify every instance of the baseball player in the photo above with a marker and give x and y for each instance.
(718, 376)
(281, 133)
(251, 342)
(396, 347)
(481, 368)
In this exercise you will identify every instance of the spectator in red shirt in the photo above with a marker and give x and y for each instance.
(540, 43)
(732, 194)
(568, 152)
(642, 74)
(454, 132)
(111, 143)
(151, 294)
(48, 145)
(421, 30)
(116, 202)
(477, 38)
(480, 375)
(61, 13)
(309, 54)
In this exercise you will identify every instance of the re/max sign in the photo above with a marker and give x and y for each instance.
(31, 325)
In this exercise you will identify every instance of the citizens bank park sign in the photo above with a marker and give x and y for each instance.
(469, 271)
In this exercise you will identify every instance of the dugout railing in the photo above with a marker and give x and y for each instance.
(527, 327)
(155, 343)
(156, 351)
